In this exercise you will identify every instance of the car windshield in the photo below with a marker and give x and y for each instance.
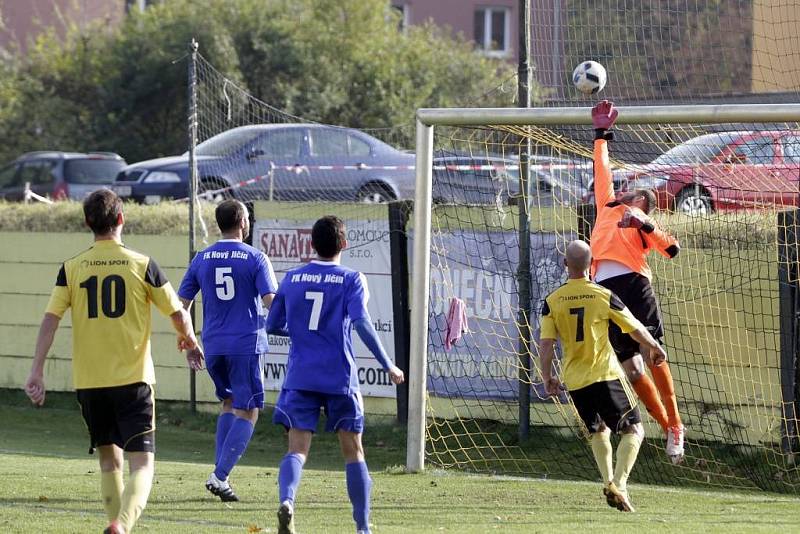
(698, 150)
(92, 171)
(227, 142)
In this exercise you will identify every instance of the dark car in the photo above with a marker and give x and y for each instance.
(279, 162)
(494, 179)
(59, 175)
(723, 171)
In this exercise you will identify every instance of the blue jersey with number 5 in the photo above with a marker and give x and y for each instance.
(317, 303)
(233, 276)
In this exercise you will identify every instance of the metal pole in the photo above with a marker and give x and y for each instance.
(193, 46)
(418, 355)
(524, 267)
(707, 114)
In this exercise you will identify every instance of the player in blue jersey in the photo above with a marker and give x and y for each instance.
(237, 283)
(317, 306)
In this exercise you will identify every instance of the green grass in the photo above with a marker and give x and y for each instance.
(49, 484)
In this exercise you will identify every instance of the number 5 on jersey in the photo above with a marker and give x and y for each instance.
(224, 283)
(316, 308)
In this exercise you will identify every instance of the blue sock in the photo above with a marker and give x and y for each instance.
(224, 422)
(235, 444)
(289, 477)
(358, 486)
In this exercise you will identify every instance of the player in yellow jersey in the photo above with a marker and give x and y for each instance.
(109, 289)
(622, 237)
(579, 313)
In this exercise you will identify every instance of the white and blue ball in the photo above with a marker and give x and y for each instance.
(589, 77)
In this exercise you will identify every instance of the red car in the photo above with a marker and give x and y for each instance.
(723, 171)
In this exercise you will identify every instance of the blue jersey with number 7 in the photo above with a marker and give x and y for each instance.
(233, 276)
(317, 303)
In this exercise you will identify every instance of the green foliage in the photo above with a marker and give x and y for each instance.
(124, 88)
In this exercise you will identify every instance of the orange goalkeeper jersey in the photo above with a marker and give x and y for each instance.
(628, 246)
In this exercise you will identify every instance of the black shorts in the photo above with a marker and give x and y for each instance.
(121, 416)
(605, 402)
(636, 292)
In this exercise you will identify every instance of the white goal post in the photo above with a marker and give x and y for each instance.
(428, 119)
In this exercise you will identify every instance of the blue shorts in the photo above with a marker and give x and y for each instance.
(300, 410)
(239, 376)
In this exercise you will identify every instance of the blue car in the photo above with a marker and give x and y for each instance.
(287, 162)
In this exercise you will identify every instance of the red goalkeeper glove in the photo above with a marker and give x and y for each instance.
(632, 219)
(604, 114)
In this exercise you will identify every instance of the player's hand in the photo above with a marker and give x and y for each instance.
(658, 355)
(604, 114)
(195, 359)
(552, 386)
(396, 375)
(187, 342)
(34, 388)
(631, 219)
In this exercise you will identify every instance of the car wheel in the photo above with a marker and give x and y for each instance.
(693, 200)
(213, 190)
(375, 194)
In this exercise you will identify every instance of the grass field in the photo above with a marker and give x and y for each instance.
(49, 484)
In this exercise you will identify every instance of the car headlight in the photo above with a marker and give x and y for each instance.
(162, 177)
(648, 182)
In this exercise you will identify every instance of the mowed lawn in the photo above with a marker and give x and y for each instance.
(49, 484)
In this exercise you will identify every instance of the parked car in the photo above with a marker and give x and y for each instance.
(59, 175)
(723, 171)
(279, 162)
(494, 179)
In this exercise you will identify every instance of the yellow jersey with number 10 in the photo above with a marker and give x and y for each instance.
(109, 289)
(578, 313)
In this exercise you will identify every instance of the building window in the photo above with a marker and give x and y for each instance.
(139, 5)
(405, 14)
(493, 30)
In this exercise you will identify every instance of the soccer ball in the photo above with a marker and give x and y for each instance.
(589, 77)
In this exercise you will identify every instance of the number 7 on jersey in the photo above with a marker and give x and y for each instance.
(316, 308)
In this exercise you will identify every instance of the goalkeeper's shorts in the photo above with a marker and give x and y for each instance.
(636, 292)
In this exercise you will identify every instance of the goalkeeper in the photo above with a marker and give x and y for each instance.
(622, 237)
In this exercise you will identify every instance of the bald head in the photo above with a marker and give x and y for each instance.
(579, 257)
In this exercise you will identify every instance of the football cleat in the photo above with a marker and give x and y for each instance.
(617, 499)
(114, 528)
(675, 443)
(286, 518)
(221, 489)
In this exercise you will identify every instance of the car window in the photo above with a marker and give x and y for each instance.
(701, 149)
(92, 171)
(328, 143)
(228, 142)
(36, 172)
(358, 147)
(7, 175)
(281, 143)
(791, 148)
(756, 151)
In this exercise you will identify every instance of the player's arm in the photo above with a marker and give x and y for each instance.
(266, 282)
(60, 301)
(164, 297)
(276, 320)
(547, 342)
(630, 325)
(603, 117)
(370, 338)
(655, 237)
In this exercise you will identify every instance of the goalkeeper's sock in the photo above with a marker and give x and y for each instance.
(627, 451)
(648, 393)
(289, 474)
(134, 497)
(601, 449)
(224, 422)
(111, 487)
(235, 444)
(359, 485)
(662, 376)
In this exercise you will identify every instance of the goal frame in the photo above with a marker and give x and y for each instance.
(428, 118)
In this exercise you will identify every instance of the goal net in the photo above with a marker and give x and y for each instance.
(726, 179)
